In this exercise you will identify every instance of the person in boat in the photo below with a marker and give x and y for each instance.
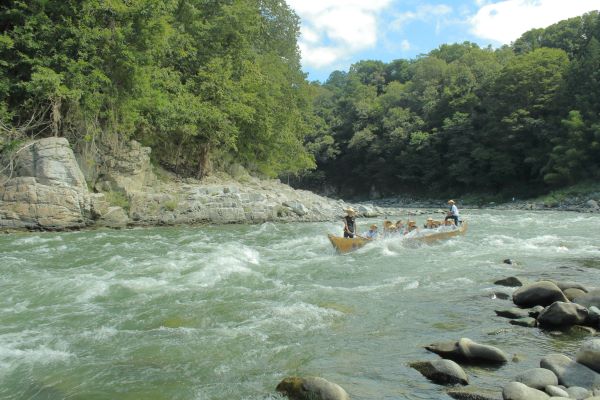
(372, 232)
(350, 223)
(399, 227)
(453, 213)
(387, 227)
(412, 225)
(429, 224)
(449, 224)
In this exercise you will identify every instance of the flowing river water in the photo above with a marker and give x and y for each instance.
(226, 312)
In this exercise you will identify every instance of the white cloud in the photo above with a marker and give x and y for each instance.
(504, 21)
(423, 13)
(333, 30)
(405, 45)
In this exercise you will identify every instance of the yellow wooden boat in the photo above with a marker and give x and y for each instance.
(345, 245)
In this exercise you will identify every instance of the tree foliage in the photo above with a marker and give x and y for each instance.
(202, 82)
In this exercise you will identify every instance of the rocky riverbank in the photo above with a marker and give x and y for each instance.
(49, 187)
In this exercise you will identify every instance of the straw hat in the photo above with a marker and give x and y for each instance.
(350, 210)
(412, 223)
(450, 201)
(373, 226)
(429, 219)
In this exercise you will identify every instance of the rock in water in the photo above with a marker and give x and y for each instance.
(311, 388)
(541, 293)
(589, 354)
(562, 314)
(571, 373)
(467, 350)
(519, 391)
(444, 372)
(511, 281)
(537, 378)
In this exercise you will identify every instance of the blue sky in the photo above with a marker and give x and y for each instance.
(338, 33)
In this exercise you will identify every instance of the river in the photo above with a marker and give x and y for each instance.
(226, 312)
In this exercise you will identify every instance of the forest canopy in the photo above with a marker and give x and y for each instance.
(210, 83)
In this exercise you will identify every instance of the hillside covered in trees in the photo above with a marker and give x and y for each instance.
(521, 119)
(208, 84)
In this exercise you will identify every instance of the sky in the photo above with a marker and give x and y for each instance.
(334, 34)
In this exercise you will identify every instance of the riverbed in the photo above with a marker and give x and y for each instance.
(226, 312)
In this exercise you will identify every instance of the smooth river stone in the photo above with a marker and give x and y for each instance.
(555, 391)
(311, 388)
(511, 281)
(563, 314)
(571, 373)
(512, 313)
(589, 354)
(537, 378)
(579, 393)
(520, 391)
(542, 293)
(467, 350)
(444, 372)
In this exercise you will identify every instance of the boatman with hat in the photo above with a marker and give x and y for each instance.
(453, 213)
(350, 223)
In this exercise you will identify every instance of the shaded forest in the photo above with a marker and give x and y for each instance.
(209, 84)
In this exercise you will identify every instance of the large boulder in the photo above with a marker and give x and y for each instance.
(537, 378)
(311, 388)
(467, 350)
(519, 391)
(571, 373)
(564, 285)
(589, 354)
(444, 372)
(47, 189)
(542, 293)
(573, 293)
(562, 314)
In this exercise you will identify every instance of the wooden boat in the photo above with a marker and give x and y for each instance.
(345, 245)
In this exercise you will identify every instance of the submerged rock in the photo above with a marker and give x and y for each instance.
(311, 388)
(541, 293)
(444, 372)
(511, 281)
(512, 313)
(472, 394)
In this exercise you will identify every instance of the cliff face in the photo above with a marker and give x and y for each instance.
(48, 191)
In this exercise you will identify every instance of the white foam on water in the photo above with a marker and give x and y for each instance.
(303, 315)
(412, 285)
(387, 284)
(92, 289)
(143, 284)
(36, 240)
(102, 334)
(216, 270)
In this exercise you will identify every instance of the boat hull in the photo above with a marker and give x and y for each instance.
(345, 245)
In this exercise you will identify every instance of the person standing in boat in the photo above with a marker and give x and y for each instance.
(453, 213)
(350, 223)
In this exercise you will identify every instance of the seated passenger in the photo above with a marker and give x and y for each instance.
(429, 224)
(399, 227)
(387, 224)
(449, 224)
(412, 225)
(372, 232)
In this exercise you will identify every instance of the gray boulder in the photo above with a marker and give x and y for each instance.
(589, 354)
(562, 314)
(311, 388)
(564, 285)
(444, 372)
(593, 204)
(296, 207)
(519, 391)
(571, 373)
(593, 316)
(467, 350)
(511, 281)
(556, 391)
(535, 311)
(541, 293)
(469, 393)
(579, 393)
(537, 378)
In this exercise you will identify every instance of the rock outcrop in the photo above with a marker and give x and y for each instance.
(47, 190)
